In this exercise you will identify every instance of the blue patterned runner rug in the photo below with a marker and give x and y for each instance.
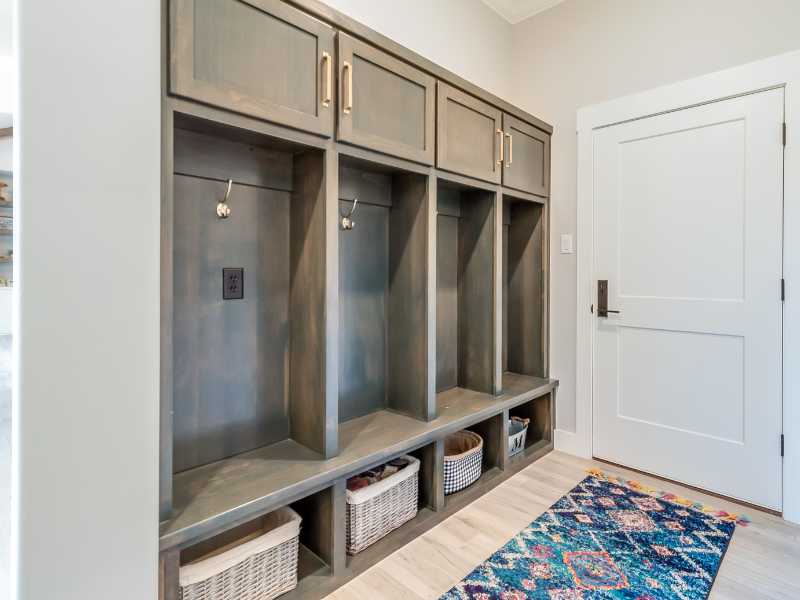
(608, 538)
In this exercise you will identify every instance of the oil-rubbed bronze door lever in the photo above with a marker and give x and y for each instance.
(602, 299)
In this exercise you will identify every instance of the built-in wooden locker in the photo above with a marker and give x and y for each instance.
(262, 58)
(375, 286)
(245, 374)
(464, 311)
(524, 306)
(384, 329)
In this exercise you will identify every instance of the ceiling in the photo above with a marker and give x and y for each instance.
(515, 11)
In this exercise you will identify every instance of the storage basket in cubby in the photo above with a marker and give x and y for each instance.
(260, 566)
(381, 507)
(517, 432)
(463, 457)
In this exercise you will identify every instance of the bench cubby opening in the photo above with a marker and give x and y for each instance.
(317, 550)
(430, 500)
(540, 428)
(464, 288)
(493, 432)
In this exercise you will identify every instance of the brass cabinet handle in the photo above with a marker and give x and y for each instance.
(510, 150)
(500, 140)
(326, 60)
(348, 80)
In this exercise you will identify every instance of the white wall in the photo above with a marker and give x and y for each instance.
(586, 51)
(85, 437)
(464, 36)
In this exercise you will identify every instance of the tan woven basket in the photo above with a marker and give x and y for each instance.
(261, 566)
(463, 458)
(375, 510)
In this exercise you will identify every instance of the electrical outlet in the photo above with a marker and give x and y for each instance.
(232, 284)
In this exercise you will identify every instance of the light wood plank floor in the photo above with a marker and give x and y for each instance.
(763, 560)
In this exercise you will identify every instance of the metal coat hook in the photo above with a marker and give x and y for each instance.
(347, 221)
(223, 210)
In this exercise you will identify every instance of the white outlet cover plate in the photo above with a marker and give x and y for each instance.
(566, 243)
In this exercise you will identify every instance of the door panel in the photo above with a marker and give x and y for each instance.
(688, 209)
(526, 164)
(261, 58)
(387, 105)
(468, 135)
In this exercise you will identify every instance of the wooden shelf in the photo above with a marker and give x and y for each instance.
(214, 497)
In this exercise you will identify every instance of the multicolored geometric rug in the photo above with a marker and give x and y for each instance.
(608, 538)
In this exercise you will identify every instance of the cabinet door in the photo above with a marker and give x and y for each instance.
(526, 164)
(386, 105)
(469, 135)
(261, 58)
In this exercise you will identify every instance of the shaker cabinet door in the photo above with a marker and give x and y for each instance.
(468, 134)
(526, 164)
(385, 104)
(261, 58)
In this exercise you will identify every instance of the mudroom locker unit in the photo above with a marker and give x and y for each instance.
(354, 266)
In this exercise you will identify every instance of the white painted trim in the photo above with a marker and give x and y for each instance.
(513, 13)
(778, 71)
(571, 443)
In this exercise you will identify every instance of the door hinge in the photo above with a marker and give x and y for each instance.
(783, 290)
(784, 134)
(781, 445)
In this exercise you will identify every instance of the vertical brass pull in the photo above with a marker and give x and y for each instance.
(328, 93)
(510, 150)
(500, 143)
(347, 72)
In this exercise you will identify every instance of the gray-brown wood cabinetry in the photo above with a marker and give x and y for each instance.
(262, 58)
(469, 134)
(385, 104)
(350, 341)
(526, 157)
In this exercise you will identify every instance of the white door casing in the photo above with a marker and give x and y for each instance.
(688, 233)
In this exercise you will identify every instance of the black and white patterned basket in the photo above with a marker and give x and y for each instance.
(463, 456)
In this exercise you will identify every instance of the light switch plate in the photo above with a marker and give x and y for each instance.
(566, 243)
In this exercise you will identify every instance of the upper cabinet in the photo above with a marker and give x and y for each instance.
(384, 104)
(526, 157)
(262, 58)
(470, 137)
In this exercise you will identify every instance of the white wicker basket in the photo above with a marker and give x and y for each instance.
(463, 457)
(256, 568)
(377, 509)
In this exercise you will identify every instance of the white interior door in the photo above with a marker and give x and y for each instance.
(688, 234)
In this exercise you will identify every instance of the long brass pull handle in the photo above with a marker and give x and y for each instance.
(510, 150)
(347, 72)
(326, 60)
(500, 140)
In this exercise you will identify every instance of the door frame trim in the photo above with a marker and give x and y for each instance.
(782, 71)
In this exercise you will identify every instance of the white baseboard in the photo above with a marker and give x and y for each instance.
(572, 443)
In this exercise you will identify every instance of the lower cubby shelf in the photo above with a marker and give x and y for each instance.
(216, 498)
